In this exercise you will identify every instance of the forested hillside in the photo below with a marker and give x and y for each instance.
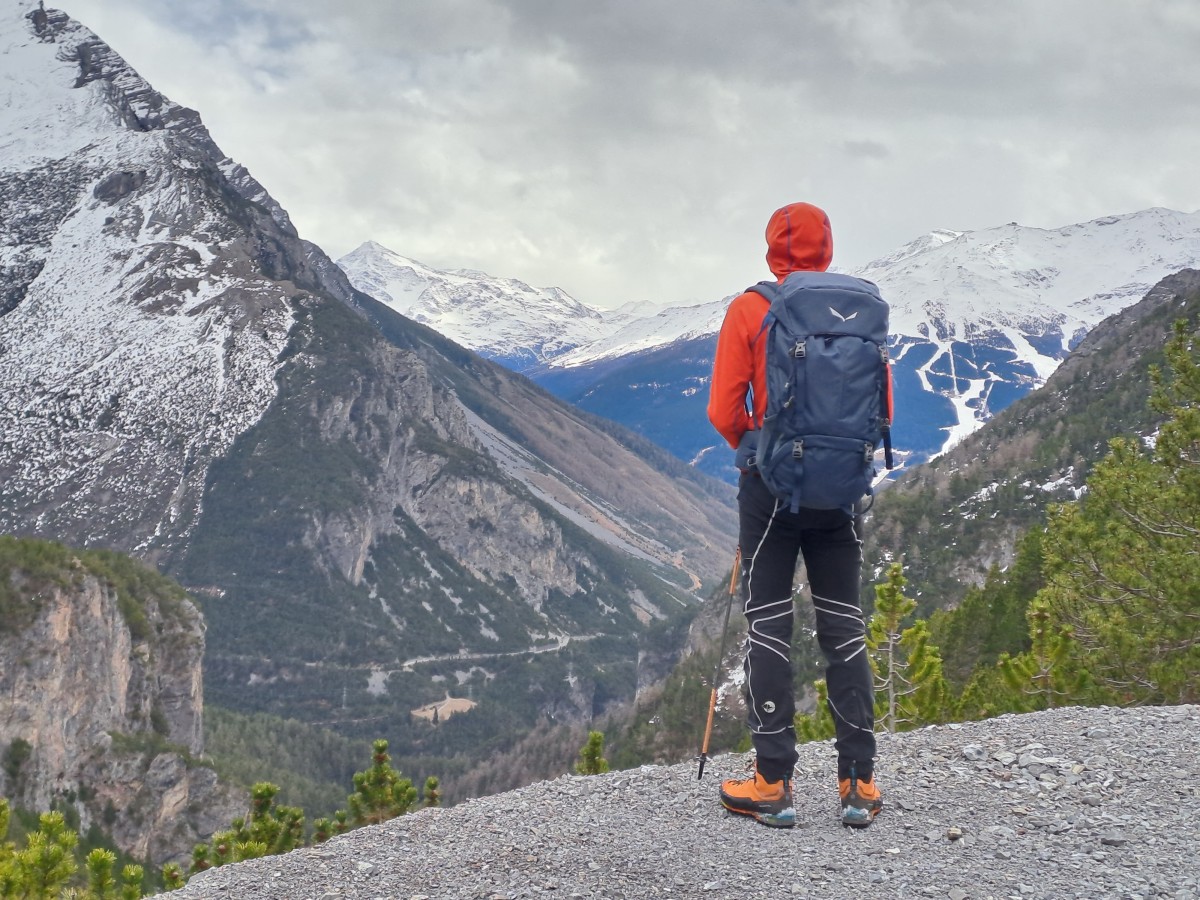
(955, 518)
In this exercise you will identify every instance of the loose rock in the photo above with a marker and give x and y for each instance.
(1121, 829)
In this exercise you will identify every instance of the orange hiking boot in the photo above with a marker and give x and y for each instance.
(861, 800)
(770, 802)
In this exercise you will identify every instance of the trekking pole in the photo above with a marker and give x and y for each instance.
(712, 700)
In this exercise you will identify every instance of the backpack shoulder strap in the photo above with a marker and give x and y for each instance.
(769, 289)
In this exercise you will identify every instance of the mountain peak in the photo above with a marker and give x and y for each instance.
(502, 318)
(916, 247)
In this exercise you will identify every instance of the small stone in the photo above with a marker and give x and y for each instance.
(1114, 840)
(953, 833)
(1004, 757)
(974, 753)
(958, 894)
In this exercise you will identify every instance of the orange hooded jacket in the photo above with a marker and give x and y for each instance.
(798, 239)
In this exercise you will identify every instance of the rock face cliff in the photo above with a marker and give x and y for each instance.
(101, 699)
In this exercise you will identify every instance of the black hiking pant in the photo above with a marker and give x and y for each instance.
(771, 539)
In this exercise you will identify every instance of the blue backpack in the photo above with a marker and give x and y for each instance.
(828, 389)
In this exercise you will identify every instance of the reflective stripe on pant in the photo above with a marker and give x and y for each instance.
(772, 539)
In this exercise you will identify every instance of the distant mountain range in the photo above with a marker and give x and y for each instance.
(978, 319)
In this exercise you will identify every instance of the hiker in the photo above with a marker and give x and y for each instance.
(773, 530)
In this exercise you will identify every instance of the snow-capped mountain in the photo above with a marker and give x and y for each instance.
(122, 283)
(353, 497)
(956, 284)
(978, 319)
(501, 318)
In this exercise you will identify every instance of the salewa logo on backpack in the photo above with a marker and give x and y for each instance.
(828, 407)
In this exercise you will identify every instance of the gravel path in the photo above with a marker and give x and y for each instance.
(1093, 803)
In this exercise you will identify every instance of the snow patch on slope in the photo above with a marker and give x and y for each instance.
(132, 352)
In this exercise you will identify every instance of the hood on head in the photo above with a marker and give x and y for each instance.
(799, 238)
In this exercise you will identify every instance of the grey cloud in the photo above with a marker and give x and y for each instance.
(866, 149)
(634, 148)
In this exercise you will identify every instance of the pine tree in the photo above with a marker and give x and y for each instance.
(1046, 675)
(992, 617)
(102, 881)
(172, 877)
(8, 878)
(45, 866)
(278, 829)
(988, 693)
(270, 829)
(380, 793)
(131, 882)
(1122, 565)
(909, 687)
(591, 755)
(433, 792)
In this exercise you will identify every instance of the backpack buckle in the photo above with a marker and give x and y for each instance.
(797, 449)
(799, 350)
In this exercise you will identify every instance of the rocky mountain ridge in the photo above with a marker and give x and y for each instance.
(125, 201)
(1064, 803)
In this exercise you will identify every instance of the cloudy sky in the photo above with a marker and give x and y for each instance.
(633, 149)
